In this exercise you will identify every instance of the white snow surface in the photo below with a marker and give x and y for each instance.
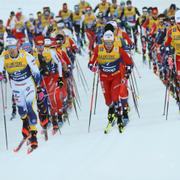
(147, 150)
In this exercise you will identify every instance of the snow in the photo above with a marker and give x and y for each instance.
(148, 149)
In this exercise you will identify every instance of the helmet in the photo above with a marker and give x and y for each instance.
(47, 41)
(31, 16)
(88, 9)
(109, 27)
(122, 3)
(113, 23)
(128, 2)
(155, 11)
(18, 14)
(39, 40)
(144, 8)
(27, 46)
(108, 36)
(172, 6)
(67, 32)
(60, 39)
(177, 17)
(100, 15)
(11, 41)
(76, 8)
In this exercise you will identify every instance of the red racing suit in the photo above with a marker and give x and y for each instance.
(112, 69)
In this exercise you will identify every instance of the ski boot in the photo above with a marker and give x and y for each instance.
(137, 50)
(55, 125)
(111, 120)
(44, 124)
(65, 116)
(33, 139)
(25, 127)
(13, 116)
(125, 117)
(60, 120)
(120, 124)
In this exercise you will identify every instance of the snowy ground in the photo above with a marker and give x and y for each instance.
(147, 150)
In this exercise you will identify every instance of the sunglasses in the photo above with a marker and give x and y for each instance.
(39, 46)
(12, 47)
(108, 43)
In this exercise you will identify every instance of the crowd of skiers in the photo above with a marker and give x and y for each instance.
(39, 55)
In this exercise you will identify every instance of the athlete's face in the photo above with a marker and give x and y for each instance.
(144, 12)
(40, 49)
(1, 25)
(129, 5)
(65, 7)
(161, 21)
(114, 2)
(13, 51)
(103, 1)
(108, 45)
(178, 25)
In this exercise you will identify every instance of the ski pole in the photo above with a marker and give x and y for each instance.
(82, 81)
(167, 108)
(91, 105)
(138, 73)
(75, 109)
(96, 95)
(134, 77)
(133, 88)
(165, 99)
(76, 90)
(5, 127)
(134, 98)
(81, 71)
(6, 95)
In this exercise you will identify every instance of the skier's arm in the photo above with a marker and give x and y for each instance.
(125, 57)
(137, 12)
(153, 29)
(31, 60)
(73, 45)
(1, 63)
(57, 61)
(168, 38)
(127, 38)
(95, 9)
(93, 60)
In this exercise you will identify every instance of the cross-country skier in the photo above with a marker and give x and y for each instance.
(111, 61)
(22, 71)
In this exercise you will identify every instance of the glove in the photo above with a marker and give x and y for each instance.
(1, 77)
(67, 74)
(131, 46)
(60, 82)
(38, 88)
(149, 38)
(128, 71)
(93, 68)
(123, 81)
(4, 77)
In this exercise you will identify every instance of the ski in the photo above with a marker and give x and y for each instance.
(54, 131)
(13, 116)
(45, 134)
(109, 127)
(30, 150)
(121, 128)
(20, 144)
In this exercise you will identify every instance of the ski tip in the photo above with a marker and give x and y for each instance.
(15, 150)
(30, 150)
